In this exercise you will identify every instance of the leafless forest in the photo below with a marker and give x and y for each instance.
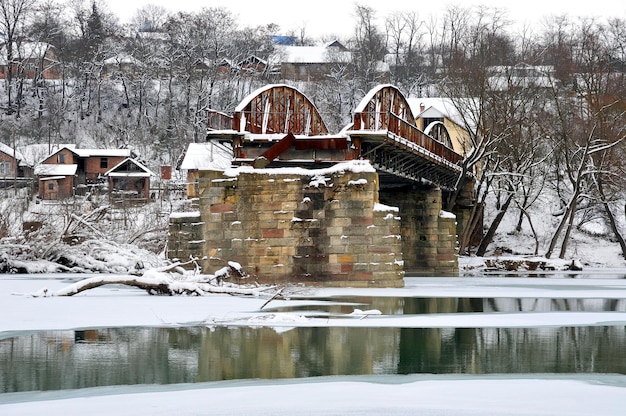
(545, 107)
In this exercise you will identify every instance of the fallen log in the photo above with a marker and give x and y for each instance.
(161, 282)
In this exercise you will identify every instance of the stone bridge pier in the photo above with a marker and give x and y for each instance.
(331, 227)
(429, 234)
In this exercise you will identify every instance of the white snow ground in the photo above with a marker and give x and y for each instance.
(393, 395)
(368, 395)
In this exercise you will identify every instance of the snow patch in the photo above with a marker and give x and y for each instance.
(446, 214)
(382, 207)
(359, 312)
(192, 214)
(277, 318)
(354, 166)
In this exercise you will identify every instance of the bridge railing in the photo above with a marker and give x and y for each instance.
(216, 120)
(413, 134)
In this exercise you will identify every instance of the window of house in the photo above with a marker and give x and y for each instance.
(104, 162)
(50, 186)
(5, 168)
(60, 158)
(428, 121)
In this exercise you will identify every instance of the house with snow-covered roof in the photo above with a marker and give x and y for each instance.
(313, 63)
(13, 166)
(55, 181)
(31, 60)
(129, 180)
(440, 118)
(121, 64)
(521, 77)
(69, 170)
(9, 161)
(309, 63)
(204, 156)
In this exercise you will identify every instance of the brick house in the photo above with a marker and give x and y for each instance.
(9, 161)
(13, 166)
(67, 170)
(30, 60)
(56, 181)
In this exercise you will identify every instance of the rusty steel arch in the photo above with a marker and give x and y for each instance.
(438, 131)
(278, 109)
(379, 105)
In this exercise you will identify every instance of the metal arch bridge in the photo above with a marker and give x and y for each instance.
(277, 125)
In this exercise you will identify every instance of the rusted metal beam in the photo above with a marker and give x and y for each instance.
(273, 152)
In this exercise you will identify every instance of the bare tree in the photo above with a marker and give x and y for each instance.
(405, 43)
(150, 18)
(476, 44)
(588, 131)
(13, 16)
(368, 48)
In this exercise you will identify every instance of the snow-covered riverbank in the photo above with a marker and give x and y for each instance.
(374, 395)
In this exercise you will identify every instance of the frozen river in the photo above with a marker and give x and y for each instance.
(566, 330)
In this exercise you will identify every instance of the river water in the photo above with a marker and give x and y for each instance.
(72, 359)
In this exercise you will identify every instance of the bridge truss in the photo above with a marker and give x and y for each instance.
(279, 126)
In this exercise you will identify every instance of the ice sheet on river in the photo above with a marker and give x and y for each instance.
(115, 307)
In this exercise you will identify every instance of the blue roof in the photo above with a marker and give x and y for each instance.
(284, 40)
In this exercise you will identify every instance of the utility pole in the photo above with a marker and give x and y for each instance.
(14, 159)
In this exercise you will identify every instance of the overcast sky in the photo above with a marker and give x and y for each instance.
(337, 16)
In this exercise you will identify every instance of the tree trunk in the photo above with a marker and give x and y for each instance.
(522, 212)
(559, 229)
(532, 227)
(476, 215)
(568, 231)
(611, 217)
(126, 96)
(468, 231)
(482, 248)
(615, 229)
(570, 209)
(158, 282)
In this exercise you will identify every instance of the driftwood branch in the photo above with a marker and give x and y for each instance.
(152, 287)
(161, 282)
(277, 295)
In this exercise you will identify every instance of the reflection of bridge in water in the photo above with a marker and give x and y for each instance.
(63, 360)
(346, 232)
(279, 126)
